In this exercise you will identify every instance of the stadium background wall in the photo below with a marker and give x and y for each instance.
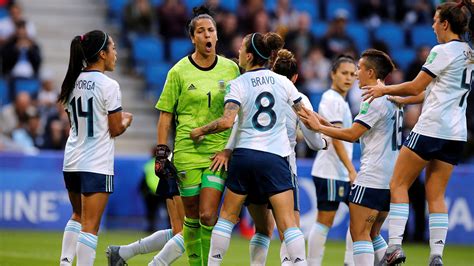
(32, 196)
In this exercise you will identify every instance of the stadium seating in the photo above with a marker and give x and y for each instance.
(391, 34)
(403, 57)
(193, 3)
(146, 50)
(423, 35)
(360, 34)
(315, 98)
(319, 28)
(155, 76)
(115, 9)
(230, 5)
(180, 47)
(31, 86)
(311, 7)
(4, 93)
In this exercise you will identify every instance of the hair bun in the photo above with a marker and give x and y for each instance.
(200, 10)
(284, 54)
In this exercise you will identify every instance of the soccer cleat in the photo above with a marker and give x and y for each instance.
(436, 261)
(113, 256)
(394, 256)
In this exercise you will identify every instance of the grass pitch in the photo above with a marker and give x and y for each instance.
(18, 248)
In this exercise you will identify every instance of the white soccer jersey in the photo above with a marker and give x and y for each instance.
(264, 98)
(380, 144)
(90, 147)
(444, 108)
(334, 108)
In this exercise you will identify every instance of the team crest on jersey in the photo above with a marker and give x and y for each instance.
(221, 85)
(341, 191)
(191, 87)
(227, 88)
(431, 57)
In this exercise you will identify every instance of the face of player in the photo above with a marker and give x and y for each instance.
(110, 55)
(364, 74)
(438, 28)
(205, 37)
(344, 77)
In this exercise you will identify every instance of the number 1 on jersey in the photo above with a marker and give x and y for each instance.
(209, 100)
(397, 136)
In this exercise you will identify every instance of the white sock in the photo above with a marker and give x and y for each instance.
(295, 245)
(172, 251)
(220, 241)
(438, 224)
(379, 248)
(348, 254)
(363, 253)
(68, 249)
(151, 243)
(259, 249)
(85, 249)
(284, 256)
(316, 242)
(397, 220)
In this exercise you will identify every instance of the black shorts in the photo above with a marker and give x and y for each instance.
(372, 198)
(428, 148)
(87, 182)
(258, 174)
(330, 192)
(167, 188)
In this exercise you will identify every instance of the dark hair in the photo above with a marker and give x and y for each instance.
(341, 59)
(200, 12)
(262, 46)
(285, 64)
(379, 61)
(459, 16)
(84, 51)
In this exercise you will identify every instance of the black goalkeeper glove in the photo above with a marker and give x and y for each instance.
(164, 168)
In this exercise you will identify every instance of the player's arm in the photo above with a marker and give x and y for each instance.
(221, 159)
(163, 166)
(225, 122)
(119, 122)
(407, 100)
(343, 156)
(409, 88)
(351, 134)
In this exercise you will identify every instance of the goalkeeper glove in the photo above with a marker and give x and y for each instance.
(164, 168)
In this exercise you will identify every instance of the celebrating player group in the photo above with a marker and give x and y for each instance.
(235, 135)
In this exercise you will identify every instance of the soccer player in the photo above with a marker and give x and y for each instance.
(439, 135)
(333, 170)
(193, 95)
(378, 127)
(93, 103)
(261, 97)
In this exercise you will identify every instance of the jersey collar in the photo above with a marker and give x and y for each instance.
(202, 68)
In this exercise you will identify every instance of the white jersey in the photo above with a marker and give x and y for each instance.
(334, 108)
(90, 147)
(380, 144)
(264, 98)
(444, 108)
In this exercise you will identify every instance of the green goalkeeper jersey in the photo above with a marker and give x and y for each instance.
(195, 95)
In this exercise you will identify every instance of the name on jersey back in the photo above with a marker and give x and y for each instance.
(85, 84)
(259, 81)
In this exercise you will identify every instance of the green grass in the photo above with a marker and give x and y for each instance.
(18, 248)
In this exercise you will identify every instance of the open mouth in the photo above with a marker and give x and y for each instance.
(208, 46)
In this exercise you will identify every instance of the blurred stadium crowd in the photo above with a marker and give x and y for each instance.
(154, 32)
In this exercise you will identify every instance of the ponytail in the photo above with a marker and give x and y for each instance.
(76, 63)
(84, 51)
(285, 64)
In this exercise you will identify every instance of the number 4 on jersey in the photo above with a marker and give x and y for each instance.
(77, 111)
(466, 83)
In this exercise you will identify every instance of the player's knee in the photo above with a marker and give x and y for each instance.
(264, 230)
(208, 217)
(326, 218)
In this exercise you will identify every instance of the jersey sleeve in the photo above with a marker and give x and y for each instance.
(436, 62)
(113, 98)
(233, 135)
(293, 93)
(234, 94)
(170, 93)
(312, 138)
(373, 114)
(331, 110)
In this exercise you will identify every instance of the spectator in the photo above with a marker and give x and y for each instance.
(418, 12)
(172, 18)
(315, 69)
(372, 12)
(56, 130)
(47, 95)
(14, 115)
(283, 17)
(137, 20)
(261, 22)
(8, 24)
(246, 13)
(337, 41)
(226, 31)
(300, 40)
(29, 135)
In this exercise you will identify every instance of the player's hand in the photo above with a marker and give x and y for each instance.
(310, 119)
(220, 159)
(373, 91)
(127, 118)
(196, 136)
(164, 168)
(352, 176)
(396, 100)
